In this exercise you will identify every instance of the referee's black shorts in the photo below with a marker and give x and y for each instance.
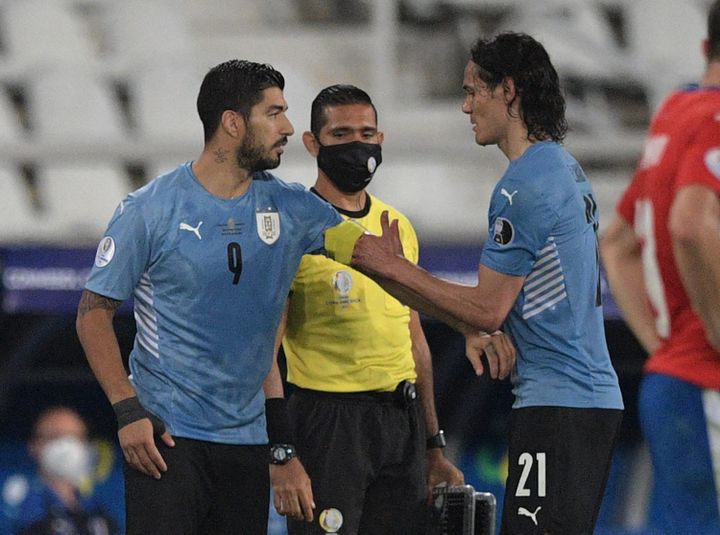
(558, 464)
(365, 454)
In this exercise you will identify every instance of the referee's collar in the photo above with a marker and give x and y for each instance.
(355, 214)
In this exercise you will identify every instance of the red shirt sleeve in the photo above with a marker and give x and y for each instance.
(626, 206)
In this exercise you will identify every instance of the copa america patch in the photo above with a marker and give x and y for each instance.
(712, 161)
(342, 281)
(503, 231)
(105, 252)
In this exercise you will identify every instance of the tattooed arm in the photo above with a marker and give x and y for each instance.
(95, 329)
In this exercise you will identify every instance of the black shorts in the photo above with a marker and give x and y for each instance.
(208, 488)
(558, 464)
(365, 455)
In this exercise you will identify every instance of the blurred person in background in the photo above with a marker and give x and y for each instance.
(662, 256)
(208, 251)
(362, 408)
(55, 504)
(539, 278)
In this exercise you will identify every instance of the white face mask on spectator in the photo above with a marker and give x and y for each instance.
(66, 458)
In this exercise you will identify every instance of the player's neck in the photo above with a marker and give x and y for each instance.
(351, 202)
(712, 74)
(218, 172)
(515, 142)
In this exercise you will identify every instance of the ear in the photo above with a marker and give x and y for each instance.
(311, 144)
(706, 48)
(380, 137)
(233, 124)
(509, 90)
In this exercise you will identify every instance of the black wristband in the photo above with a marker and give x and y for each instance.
(278, 421)
(436, 441)
(129, 410)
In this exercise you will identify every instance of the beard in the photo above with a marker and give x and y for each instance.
(252, 156)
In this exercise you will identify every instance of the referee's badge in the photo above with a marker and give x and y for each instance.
(268, 224)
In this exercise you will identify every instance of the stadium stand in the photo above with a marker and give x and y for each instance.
(20, 222)
(79, 198)
(95, 81)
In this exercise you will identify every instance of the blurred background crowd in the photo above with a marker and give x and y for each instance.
(98, 96)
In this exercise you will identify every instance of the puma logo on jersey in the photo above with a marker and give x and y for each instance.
(533, 516)
(509, 196)
(194, 230)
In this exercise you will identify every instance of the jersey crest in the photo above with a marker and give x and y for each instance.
(268, 224)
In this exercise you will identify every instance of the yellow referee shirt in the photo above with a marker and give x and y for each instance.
(344, 332)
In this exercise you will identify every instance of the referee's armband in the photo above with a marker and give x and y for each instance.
(340, 240)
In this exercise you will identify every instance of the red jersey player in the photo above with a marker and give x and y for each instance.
(662, 256)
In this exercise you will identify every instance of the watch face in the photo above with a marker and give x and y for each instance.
(279, 454)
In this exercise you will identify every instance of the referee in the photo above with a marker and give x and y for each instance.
(362, 408)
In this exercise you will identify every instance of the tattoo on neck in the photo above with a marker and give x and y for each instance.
(90, 300)
(220, 155)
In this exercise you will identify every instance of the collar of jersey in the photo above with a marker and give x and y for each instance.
(356, 214)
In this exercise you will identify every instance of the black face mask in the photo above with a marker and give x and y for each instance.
(350, 166)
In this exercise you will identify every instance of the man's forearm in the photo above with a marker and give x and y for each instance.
(419, 303)
(627, 284)
(622, 257)
(424, 371)
(699, 267)
(462, 307)
(695, 232)
(97, 337)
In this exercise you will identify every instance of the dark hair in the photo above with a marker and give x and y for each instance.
(233, 85)
(522, 58)
(335, 95)
(714, 31)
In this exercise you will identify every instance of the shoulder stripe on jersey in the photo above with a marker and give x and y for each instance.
(545, 285)
(145, 318)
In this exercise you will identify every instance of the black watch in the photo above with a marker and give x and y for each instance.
(436, 441)
(281, 453)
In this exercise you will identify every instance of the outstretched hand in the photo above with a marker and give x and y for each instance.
(375, 254)
(498, 349)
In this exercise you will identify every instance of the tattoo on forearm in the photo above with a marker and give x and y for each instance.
(91, 300)
(220, 155)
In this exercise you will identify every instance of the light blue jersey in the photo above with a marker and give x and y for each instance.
(543, 222)
(210, 278)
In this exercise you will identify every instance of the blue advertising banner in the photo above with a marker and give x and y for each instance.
(44, 280)
(49, 280)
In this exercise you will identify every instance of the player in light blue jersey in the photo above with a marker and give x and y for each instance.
(539, 279)
(543, 220)
(208, 252)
